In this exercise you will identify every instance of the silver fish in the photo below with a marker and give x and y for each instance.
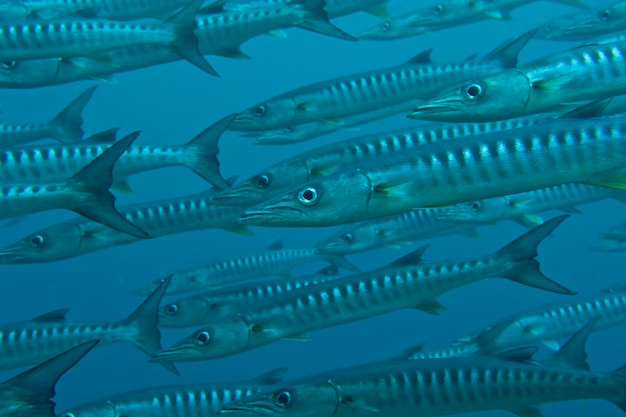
(409, 282)
(590, 151)
(190, 400)
(65, 127)
(85, 193)
(335, 8)
(612, 240)
(274, 260)
(30, 393)
(332, 100)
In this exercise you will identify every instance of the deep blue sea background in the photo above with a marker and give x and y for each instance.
(172, 103)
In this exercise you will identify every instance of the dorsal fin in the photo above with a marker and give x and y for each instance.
(106, 136)
(411, 258)
(573, 354)
(56, 315)
(275, 245)
(507, 52)
(594, 109)
(213, 7)
(270, 378)
(421, 58)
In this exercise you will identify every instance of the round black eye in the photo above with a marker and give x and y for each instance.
(308, 196)
(259, 110)
(172, 309)
(473, 91)
(386, 26)
(263, 180)
(438, 9)
(36, 240)
(476, 206)
(202, 338)
(605, 14)
(8, 65)
(283, 399)
(348, 237)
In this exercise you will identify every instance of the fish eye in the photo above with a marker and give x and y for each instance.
(347, 237)
(308, 196)
(473, 91)
(171, 309)
(283, 399)
(36, 241)
(202, 338)
(386, 26)
(263, 180)
(605, 14)
(8, 65)
(439, 9)
(476, 205)
(259, 110)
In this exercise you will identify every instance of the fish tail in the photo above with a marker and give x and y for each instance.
(523, 251)
(620, 373)
(507, 53)
(92, 183)
(143, 322)
(186, 42)
(69, 121)
(317, 19)
(204, 150)
(35, 387)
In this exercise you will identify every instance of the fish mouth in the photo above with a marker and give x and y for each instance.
(236, 196)
(435, 108)
(269, 216)
(17, 254)
(255, 409)
(244, 122)
(180, 353)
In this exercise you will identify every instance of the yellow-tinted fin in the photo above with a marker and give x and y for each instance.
(240, 229)
(334, 122)
(609, 179)
(527, 412)
(277, 33)
(123, 187)
(528, 220)
(234, 53)
(497, 14)
(555, 83)
(433, 307)
(380, 11)
(305, 106)
(552, 344)
(299, 337)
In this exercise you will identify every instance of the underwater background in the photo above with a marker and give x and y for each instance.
(172, 103)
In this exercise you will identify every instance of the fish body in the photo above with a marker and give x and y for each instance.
(585, 73)
(443, 173)
(613, 240)
(335, 8)
(334, 99)
(65, 127)
(407, 283)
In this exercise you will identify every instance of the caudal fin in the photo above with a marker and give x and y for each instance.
(186, 43)
(317, 19)
(143, 323)
(523, 250)
(91, 185)
(507, 53)
(69, 121)
(203, 151)
(33, 389)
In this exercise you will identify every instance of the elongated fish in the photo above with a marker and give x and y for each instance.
(45, 336)
(45, 164)
(335, 8)
(584, 73)
(612, 240)
(30, 393)
(590, 151)
(583, 25)
(85, 193)
(334, 99)
(274, 260)
(218, 34)
(65, 127)
(449, 13)
(203, 308)
(409, 282)
(80, 236)
(85, 38)
(190, 400)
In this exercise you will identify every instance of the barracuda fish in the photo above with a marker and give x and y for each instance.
(584, 25)
(217, 33)
(334, 99)
(199, 309)
(85, 193)
(45, 336)
(274, 260)
(78, 237)
(46, 164)
(409, 282)
(86, 38)
(590, 151)
(584, 73)
(335, 8)
(65, 127)
(521, 207)
(613, 240)
(331, 158)
(449, 13)
(197, 400)
(392, 232)
(30, 393)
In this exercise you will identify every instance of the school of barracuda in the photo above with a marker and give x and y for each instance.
(477, 139)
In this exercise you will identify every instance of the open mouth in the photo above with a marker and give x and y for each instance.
(428, 109)
(264, 215)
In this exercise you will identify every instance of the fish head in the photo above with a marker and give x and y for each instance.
(284, 135)
(275, 113)
(180, 313)
(477, 211)
(301, 399)
(392, 29)
(266, 184)
(596, 22)
(54, 243)
(331, 200)
(30, 73)
(95, 409)
(224, 337)
(605, 244)
(357, 238)
(497, 97)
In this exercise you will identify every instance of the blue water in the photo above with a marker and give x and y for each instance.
(172, 103)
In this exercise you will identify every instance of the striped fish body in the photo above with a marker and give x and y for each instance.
(335, 8)
(457, 351)
(432, 388)
(77, 237)
(456, 171)
(104, 9)
(12, 135)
